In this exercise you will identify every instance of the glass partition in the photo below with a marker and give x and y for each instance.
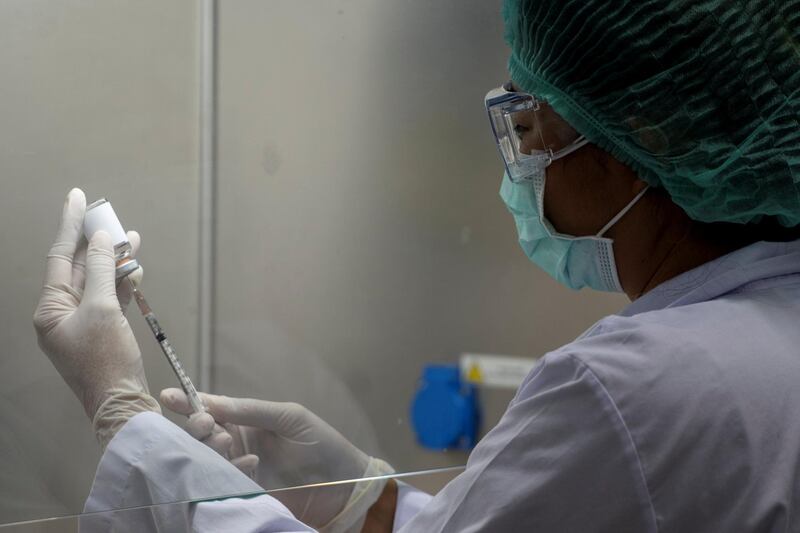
(176, 516)
(356, 234)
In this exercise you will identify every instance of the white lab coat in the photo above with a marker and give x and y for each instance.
(679, 414)
(153, 461)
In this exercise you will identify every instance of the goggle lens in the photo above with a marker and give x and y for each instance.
(528, 133)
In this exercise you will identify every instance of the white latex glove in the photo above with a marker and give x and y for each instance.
(81, 327)
(295, 447)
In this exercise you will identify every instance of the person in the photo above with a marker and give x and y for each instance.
(651, 148)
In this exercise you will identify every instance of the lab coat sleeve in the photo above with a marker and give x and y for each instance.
(151, 470)
(410, 501)
(560, 460)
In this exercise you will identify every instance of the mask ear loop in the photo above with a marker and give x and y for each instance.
(576, 144)
(622, 213)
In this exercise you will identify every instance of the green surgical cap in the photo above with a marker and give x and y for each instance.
(701, 98)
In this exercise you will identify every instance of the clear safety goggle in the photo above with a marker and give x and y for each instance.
(529, 134)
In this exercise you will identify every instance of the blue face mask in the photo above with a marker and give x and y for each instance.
(576, 262)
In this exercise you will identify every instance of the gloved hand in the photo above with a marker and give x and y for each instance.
(81, 327)
(295, 447)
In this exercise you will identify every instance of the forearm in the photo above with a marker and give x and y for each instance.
(152, 463)
(122, 402)
(380, 517)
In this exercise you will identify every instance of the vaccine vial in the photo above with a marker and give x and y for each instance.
(101, 216)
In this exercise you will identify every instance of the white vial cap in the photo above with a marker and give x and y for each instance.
(101, 216)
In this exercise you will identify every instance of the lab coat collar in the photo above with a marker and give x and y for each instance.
(723, 275)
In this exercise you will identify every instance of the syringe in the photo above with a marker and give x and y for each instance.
(166, 347)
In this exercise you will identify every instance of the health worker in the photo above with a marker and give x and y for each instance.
(650, 148)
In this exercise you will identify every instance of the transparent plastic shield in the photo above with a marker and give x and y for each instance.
(187, 515)
(347, 258)
(528, 133)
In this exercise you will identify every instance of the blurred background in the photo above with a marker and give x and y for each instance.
(353, 230)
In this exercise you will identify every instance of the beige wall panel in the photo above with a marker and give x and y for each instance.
(361, 234)
(102, 95)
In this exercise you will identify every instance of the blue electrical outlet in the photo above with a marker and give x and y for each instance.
(444, 412)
